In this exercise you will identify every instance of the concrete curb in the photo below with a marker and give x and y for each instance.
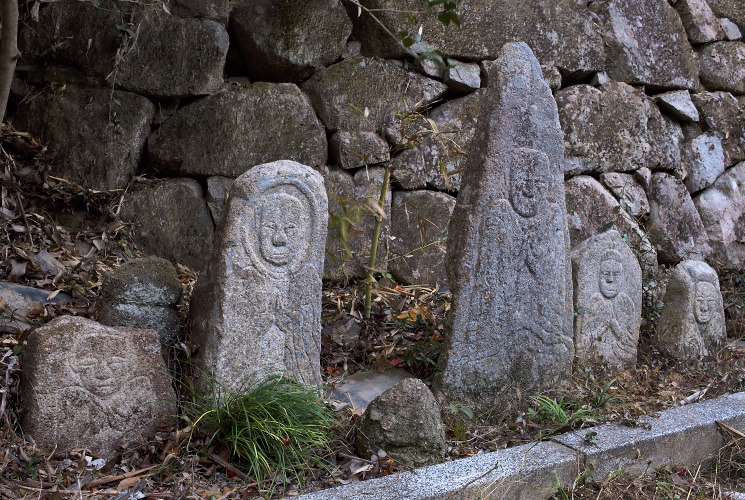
(682, 436)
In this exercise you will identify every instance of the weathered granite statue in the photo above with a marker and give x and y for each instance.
(510, 325)
(607, 302)
(257, 311)
(86, 385)
(692, 320)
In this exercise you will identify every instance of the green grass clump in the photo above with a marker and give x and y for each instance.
(278, 427)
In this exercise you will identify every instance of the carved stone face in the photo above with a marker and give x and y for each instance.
(526, 194)
(610, 277)
(282, 229)
(705, 302)
(100, 374)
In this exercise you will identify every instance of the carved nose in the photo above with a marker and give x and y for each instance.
(279, 239)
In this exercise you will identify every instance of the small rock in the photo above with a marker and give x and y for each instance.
(722, 114)
(47, 263)
(704, 161)
(362, 387)
(679, 104)
(405, 422)
(625, 187)
(600, 78)
(432, 69)
(552, 75)
(463, 77)
(143, 293)
(731, 31)
(19, 302)
(723, 66)
(345, 332)
(218, 189)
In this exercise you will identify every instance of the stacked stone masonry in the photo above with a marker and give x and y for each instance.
(638, 125)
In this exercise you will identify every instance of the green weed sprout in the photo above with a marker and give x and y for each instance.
(278, 427)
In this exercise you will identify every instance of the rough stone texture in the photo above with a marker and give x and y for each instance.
(351, 212)
(528, 472)
(700, 23)
(607, 301)
(17, 302)
(625, 187)
(562, 33)
(287, 40)
(210, 9)
(405, 422)
(229, 132)
(552, 75)
(357, 149)
(257, 309)
(734, 10)
(362, 387)
(174, 57)
(169, 56)
(722, 115)
(75, 125)
(86, 385)
(420, 167)
(143, 293)
(171, 220)
(218, 188)
(509, 335)
(731, 31)
(723, 66)
(382, 88)
(614, 128)
(590, 208)
(463, 77)
(419, 224)
(674, 225)
(673, 439)
(679, 104)
(645, 43)
(722, 210)
(703, 159)
(691, 323)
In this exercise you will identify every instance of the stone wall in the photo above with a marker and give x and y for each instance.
(650, 94)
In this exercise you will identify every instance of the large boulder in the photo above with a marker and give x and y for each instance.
(437, 155)
(91, 386)
(723, 115)
(95, 137)
(286, 40)
(405, 423)
(615, 128)
(229, 132)
(216, 10)
(152, 52)
(353, 207)
(143, 293)
(723, 66)
(368, 94)
(419, 230)
(734, 10)
(591, 209)
(674, 225)
(722, 210)
(170, 220)
(562, 33)
(700, 23)
(645, 43)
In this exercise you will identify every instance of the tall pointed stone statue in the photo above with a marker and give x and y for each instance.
(257, 308)
(510, 332)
